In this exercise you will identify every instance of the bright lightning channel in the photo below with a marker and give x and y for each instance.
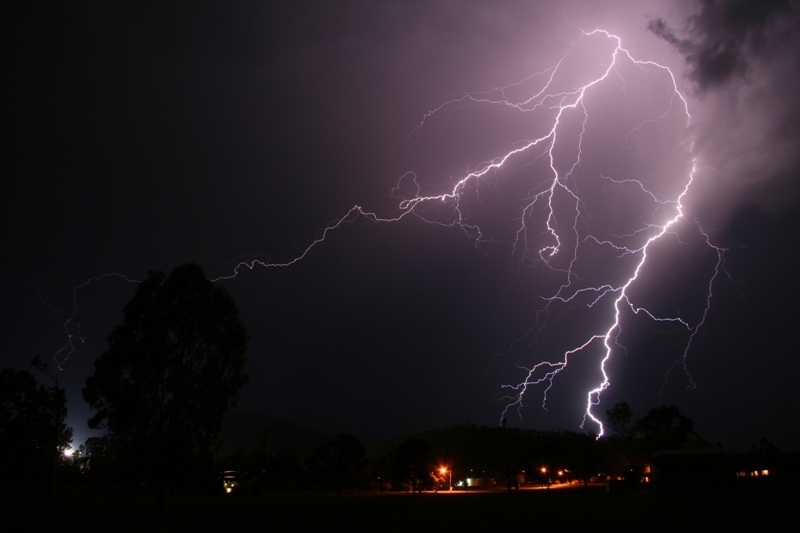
(561, 249)
(559, 102)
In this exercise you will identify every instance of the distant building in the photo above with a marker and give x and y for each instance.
(685, 468)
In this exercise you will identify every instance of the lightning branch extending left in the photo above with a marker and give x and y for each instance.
(71, 326)
(552, 229)
(564, 227)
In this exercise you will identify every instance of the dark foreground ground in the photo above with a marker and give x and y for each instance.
(571, 509)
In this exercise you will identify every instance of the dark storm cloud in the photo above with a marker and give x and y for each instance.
(725, 36)
(742, 59)
(744, 70)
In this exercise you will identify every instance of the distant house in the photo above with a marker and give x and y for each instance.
(764, 466)
(751, 466)
(687, 468)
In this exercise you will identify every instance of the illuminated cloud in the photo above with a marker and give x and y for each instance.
(741, 57)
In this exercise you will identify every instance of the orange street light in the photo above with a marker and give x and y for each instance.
(444, 470)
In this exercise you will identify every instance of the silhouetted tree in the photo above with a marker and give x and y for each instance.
(97, 459)
(33, 431)
(768, 456)
(767, 448)
(338, 464)
(665, 428)
(413, 463)
(173, 368)
(619, 419)
(586, 456)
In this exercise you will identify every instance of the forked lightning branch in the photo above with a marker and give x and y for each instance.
(592, 225)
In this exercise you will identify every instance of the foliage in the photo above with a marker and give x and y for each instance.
(338, 464)
(666, 427)
(95, 458)
(479, 453)
(172, 369)
(33, 431)
(414, 464)
(619, 419)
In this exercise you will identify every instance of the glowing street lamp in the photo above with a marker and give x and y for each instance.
(444, 470)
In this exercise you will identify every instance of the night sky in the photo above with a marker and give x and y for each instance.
(144, 137)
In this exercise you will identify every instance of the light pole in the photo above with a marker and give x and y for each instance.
(445, 470)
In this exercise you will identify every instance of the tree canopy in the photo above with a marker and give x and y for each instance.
(665, 427)
(338, 463)
(619, 419)
(33, 431)
(413, 463)
(172, 369)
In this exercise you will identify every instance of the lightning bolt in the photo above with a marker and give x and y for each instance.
(560, 199)
(552, 233)
(71, 326)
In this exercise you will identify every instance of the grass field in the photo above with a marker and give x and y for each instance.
(525, 510)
